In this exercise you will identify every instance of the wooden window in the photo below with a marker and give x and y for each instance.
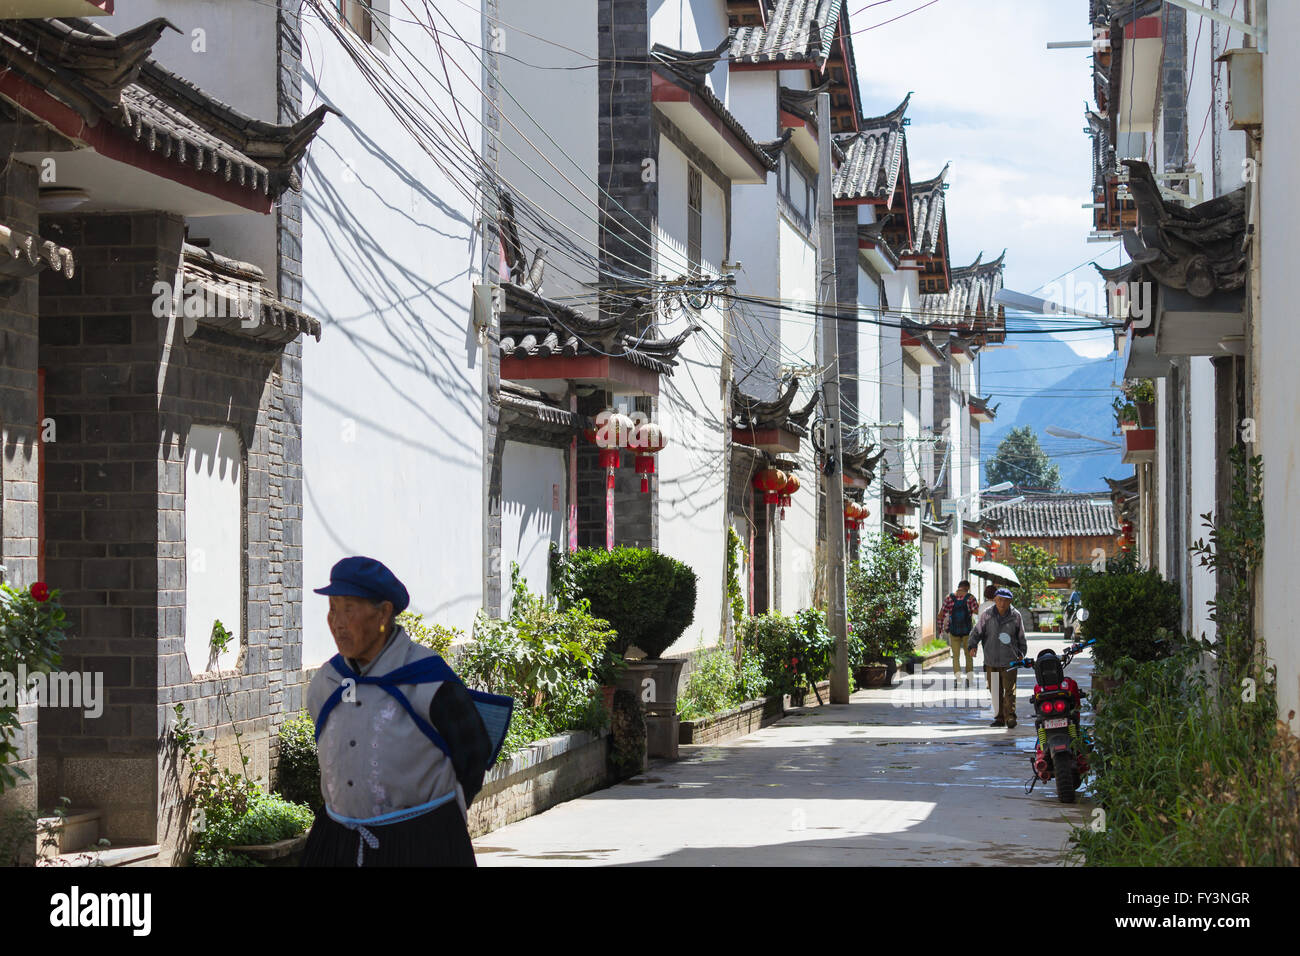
(694, 219)
(357, 15)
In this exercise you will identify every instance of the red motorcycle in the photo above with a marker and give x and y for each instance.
(1062, 751)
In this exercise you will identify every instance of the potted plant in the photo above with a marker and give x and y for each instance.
(884, 592)
(1125, 413)
(648, 598)
(1142, 392)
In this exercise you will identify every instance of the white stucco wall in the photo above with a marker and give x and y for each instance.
(214, 555)
(690, 25)
(533, 496)
(1203, 469)
(692, 499)
(1279, 340)
(392, 407)
(549, 135)
(868, 344)
(798, 281)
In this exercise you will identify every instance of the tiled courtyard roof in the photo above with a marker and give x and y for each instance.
(1053, 516)
(872, 157)
(797, 31)
(110, 78)
(750, 412)
(533, 326)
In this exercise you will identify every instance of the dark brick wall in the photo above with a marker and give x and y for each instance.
(124, 388)
(21, 434)
(1172, 108)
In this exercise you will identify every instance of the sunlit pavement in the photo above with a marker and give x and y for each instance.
(908, 775)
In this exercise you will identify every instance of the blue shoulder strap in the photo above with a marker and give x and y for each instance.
(494, 709)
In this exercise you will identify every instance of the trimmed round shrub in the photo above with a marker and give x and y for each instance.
(1137, 615)
(647, 597)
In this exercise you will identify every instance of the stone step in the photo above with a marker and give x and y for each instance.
(113, 856)
(76, 830)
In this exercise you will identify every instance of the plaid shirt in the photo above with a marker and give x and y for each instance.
(950, 602)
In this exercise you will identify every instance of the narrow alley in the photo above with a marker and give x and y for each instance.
(909, 775)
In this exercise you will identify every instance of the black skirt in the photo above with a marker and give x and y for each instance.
(436, 838)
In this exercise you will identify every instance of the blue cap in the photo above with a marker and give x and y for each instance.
(1004, 592)
(367, 578)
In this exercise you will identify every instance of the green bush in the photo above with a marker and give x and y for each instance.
(436, 637)
(1130, 614)
(31, 630)
(792, 652)
(544, 656)
(1036, 568)
(268, 819)
(1189, 776)
(647, 597)
(719, 683)
(298, 772)
(884, 592)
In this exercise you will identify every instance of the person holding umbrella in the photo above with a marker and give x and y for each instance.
(1002, 634)
(403, 744)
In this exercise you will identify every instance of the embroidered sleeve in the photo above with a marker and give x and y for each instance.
(454, 716)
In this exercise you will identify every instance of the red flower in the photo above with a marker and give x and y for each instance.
(40, 591)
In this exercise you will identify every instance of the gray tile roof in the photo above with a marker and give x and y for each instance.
(533, 326)
(796, 31)
(23, 254)
(1053, 516)
(873, 157)
(970, 287)
(750, 412)
(109, 78)
(236, 300)
(928, 212)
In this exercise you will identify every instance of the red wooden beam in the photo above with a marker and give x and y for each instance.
(590, 368)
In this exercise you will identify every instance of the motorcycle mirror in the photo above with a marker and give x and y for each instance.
(1083, 614)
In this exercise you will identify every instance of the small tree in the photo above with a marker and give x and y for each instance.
(1036, 568)
(884, 593)
(1020, 459)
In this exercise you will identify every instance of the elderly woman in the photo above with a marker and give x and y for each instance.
(402, 743)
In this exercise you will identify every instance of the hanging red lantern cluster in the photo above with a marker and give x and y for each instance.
(648, 440)
(907, 534)
(771, 481)
(993, 547)
(979, 553)
(854, 514)
(789, 488)
(615, 431)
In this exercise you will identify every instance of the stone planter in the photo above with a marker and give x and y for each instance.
(661, 710)
(282, 853)
(875, 675)
(736, 722)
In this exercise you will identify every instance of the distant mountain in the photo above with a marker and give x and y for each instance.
(1077, 398)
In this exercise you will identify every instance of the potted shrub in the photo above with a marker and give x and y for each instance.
(1132, 614)
(884, 592)
(1125, 413)
(1143, 395)
(648, 598)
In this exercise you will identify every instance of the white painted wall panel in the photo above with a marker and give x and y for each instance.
(214, 555)
(533, 495)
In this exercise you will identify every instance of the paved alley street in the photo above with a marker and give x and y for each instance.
(908, 775)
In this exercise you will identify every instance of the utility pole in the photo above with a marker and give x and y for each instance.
(828, 358)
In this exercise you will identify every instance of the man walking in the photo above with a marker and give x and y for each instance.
(1002, 633)
(959, 613)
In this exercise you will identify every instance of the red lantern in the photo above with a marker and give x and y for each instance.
(770, 481)
(789, 488)
(613, 431)
(993, 547)
(648, 440)
(979, 554)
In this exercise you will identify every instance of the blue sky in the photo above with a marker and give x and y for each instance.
(989, 96)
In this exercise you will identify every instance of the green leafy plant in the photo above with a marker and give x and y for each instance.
(735, 596)
(884, 594)
(1131, 614)
(436, 637)
(31, 629)
(547, 657)
(1036, 568)
(1141, 390)
(1234, 552)
(298, 770)
(647, 597)
(792, 652)
(1125, 411)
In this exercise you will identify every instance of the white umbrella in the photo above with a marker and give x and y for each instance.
(995, 571)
